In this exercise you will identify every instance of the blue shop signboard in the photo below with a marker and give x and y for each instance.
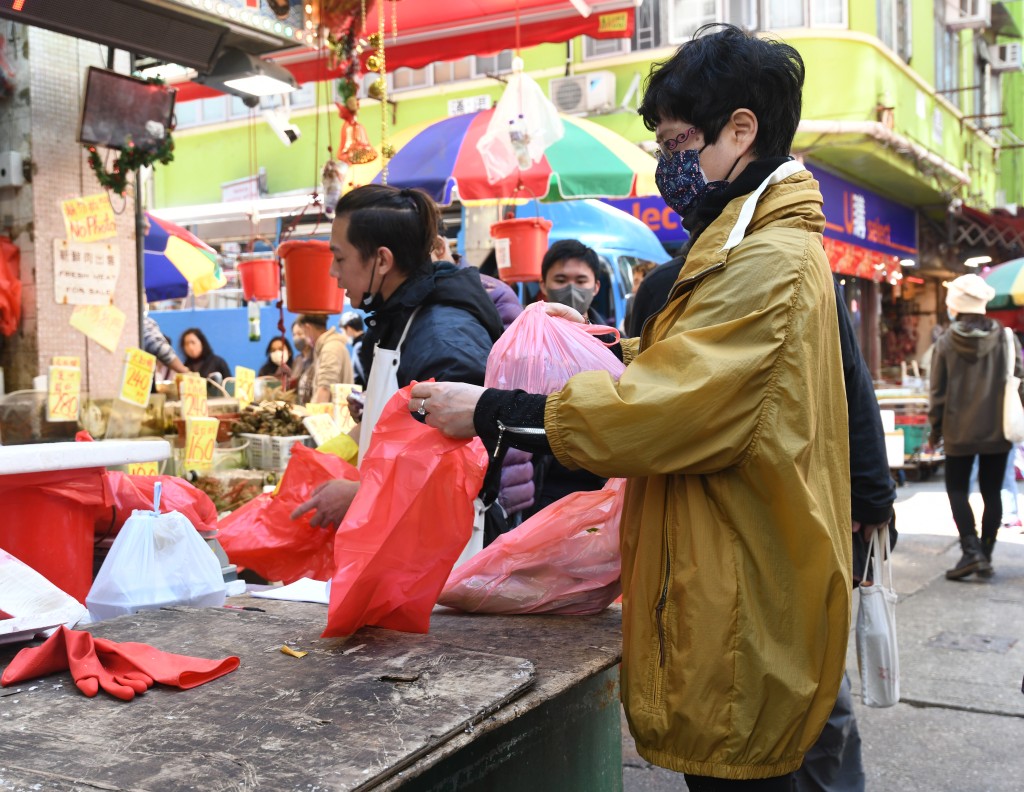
(655, 214)
(860, 217)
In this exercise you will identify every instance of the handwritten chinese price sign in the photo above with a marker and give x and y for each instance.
(245, 385)
(193, 396)
(143, 468)
(62, 401)
(138, 377)
(200, 440)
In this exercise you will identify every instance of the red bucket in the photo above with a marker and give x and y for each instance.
(527, 243)
(307, 278)
(261, 279)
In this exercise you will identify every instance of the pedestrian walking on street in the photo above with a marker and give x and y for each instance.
(730, 424)
(968, 375)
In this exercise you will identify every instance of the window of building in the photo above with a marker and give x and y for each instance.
(686, 16)
(405, 79)
(238, 108)
(186, 113)
(493, 64)
(451, 71)
(603, 48)
(894, 26)
(647, 28)
(214, 110)
(947, 56)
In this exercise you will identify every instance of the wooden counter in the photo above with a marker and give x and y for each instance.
(481, 703)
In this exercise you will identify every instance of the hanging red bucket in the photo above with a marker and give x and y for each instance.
(261, 279)
(527, 243)
(307, 279)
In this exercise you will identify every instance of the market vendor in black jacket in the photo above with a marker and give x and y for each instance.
(426, 320)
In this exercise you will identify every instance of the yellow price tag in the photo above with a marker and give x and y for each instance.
(200, 440)
(104, 324)
(245, 385)
(89, 218)
(193, 396)
(138, 377)
(143, 468)
(62, 401)
(320, 408)
(65, 360)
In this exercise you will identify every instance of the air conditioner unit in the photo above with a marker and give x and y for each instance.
(593, 92)
(1005, 57)
(966, 14)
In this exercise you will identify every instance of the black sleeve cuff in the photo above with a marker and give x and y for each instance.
(516, 410)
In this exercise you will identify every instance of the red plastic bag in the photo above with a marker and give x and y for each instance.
(10, 286)
(539, 353)
(410, 520)
(136, 492)
(565, 559)
(262, 536)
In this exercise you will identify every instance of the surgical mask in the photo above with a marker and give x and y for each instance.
(681, 180)
(300, 345)
(574, 296)
(279, 356)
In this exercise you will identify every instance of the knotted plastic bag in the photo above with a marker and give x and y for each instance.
(565, 559)
(407, 525)
(262, 536)
(156, 560)
(539, 353)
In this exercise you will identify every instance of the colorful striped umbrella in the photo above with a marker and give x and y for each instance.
(1008, 281)
(177, 259)
(441, 158)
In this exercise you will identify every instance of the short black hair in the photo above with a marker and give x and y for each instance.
(721, 70)
(356, 323)
(317, 320)
(404, 221)
(565, 249)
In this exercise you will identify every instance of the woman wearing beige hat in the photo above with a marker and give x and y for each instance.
(968, 373)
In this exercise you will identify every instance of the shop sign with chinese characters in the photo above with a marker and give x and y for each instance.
(84, 273)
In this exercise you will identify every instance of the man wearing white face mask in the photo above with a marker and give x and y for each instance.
(570, 276)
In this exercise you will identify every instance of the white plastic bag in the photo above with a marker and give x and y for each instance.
(1013, 411)
(523, 125)
(877, 652)
(156, 560)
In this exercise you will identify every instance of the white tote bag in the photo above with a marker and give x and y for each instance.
(1013, 410)
(877, 653)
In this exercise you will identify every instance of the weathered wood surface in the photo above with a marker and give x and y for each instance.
(353, 714)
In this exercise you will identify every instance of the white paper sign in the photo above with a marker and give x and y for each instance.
(84, 273)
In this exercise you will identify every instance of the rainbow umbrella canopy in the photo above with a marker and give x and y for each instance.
(177, 260)
(441, 158)
(1008, 281)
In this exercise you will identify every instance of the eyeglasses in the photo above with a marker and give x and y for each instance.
(667, 147)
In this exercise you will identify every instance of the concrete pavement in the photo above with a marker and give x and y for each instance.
(959, 726)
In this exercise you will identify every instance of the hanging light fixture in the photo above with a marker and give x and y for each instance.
(248, 76)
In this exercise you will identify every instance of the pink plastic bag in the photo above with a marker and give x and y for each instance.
(539, 353)
(565, 559)
(410, 520)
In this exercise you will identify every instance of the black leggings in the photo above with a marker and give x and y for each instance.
(990, 480)
(708, 784)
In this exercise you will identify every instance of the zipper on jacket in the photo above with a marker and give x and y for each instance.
(659, 610)
(526, 430)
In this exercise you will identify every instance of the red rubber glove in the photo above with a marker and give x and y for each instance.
(149, 663)
(75, 651)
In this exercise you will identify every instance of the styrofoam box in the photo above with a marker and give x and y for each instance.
(888, 420)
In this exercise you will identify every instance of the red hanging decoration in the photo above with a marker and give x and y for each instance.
(354, 144)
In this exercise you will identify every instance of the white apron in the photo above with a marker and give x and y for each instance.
(381, 386)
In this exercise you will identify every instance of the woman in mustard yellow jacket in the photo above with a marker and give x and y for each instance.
(730, 424)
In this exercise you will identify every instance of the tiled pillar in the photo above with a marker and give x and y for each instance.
(41, 122)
